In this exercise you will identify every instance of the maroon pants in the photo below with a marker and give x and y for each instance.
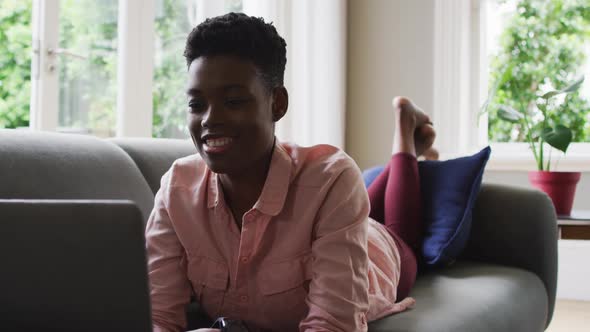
(395, 202)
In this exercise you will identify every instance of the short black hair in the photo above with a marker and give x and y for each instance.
(247, 37)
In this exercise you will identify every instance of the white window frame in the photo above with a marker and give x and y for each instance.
(135, 67)
(44, 73)
(461, 87)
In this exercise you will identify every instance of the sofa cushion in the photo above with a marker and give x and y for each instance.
(43, 165)
(516, 227)
(155, 156)
(469, 296)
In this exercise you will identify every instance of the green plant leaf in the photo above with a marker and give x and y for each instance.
(574, 86)
(509, 114)
(536, 134)
(570, 88)
(560, 137)
(551, 94)
(507, 75)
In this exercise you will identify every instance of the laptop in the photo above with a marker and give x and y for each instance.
(71, 265)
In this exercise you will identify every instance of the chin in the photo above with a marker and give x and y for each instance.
(218, 167)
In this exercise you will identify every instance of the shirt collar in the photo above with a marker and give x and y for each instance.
(214, 190)
(276, 185)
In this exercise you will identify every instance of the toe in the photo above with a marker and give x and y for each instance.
(400, 102)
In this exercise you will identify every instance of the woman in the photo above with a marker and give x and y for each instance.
(270, 233)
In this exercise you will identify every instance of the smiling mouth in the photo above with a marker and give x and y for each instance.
(218, 144)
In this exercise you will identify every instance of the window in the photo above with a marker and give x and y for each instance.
(545, 45)
(87, 67)
(84, 66)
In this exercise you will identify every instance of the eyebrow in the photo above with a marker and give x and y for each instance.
(192, 92)
(225, 88)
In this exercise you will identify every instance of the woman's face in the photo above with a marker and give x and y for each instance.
(231, 113)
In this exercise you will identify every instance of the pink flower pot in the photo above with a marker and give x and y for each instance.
(560, 186)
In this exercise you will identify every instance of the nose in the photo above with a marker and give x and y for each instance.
(213, 117)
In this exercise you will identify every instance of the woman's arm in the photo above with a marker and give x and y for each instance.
(338, 293)
(170, 288)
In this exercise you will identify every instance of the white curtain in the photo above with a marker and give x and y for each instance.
(315, 32)
(459, 87)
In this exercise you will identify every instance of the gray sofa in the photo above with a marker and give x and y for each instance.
(504, 281)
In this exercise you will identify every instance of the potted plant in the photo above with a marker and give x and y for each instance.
(560, 186)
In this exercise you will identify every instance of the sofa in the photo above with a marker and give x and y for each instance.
(505, 279)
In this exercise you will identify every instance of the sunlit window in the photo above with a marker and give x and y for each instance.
(88, 69)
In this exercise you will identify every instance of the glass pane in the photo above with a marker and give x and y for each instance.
(174, 20)
(546, 45)
(87, 86)
(15, 63)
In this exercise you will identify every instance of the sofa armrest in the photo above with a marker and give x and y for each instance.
(516, 227)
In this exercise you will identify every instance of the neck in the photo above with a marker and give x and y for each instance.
(242, 190)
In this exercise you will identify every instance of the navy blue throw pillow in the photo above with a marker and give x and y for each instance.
(449, 189)
(369, 175)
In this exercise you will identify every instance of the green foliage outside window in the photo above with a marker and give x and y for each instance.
(171, 27)
(15, 63)
(542, 48)
(87, 87)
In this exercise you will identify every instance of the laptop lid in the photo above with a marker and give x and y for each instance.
(68, 265)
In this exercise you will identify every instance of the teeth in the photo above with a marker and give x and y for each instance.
(215, 142)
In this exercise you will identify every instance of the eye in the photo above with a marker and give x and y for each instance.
(236, 102)
(196, 106)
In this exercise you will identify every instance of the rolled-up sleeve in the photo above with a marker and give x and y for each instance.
(169, 286)
(338, 292)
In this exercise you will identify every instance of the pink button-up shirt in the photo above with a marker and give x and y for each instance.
(308, 258)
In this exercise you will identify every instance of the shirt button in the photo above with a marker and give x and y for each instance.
(244, 259)
(243, 298)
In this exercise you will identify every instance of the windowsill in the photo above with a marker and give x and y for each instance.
(508, 157)
(507, 163)
(518, 157)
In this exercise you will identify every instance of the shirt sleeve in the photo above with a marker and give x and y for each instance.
(169, 285)
(338, 293)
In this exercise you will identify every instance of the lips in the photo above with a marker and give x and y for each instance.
(217, 144)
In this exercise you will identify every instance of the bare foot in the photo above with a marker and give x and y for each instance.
(424, 136)
(431, 154)
(414, 133)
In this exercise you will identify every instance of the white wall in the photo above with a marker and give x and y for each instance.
(390, 52)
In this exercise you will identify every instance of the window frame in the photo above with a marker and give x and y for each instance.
(44, 74)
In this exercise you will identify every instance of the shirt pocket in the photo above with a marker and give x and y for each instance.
(210, 280)
(284, 287)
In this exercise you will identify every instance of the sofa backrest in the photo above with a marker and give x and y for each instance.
(43, 165)
(154, 157)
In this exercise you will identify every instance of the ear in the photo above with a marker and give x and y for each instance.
(280, 103)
